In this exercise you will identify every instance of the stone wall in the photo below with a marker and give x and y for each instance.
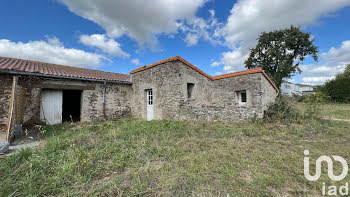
(218, 99)
(211, 100)
(269, 95)
(5, 96)
(118, 102)
(118, 98)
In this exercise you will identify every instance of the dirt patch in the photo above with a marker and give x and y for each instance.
(246, 176)
(337, 119)
(31, 139)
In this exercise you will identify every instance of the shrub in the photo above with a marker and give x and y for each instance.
(282, 110)
(338, 89)
(298, 98)
(313, 105)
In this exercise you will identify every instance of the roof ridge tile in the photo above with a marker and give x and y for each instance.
(233, 74)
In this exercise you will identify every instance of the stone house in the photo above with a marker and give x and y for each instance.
(175, 89)
(34, 92)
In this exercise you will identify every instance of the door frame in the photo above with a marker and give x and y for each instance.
(149, 104)
(43, 116)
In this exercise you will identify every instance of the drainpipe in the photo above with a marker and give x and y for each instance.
(104, 100)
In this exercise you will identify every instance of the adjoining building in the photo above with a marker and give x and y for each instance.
(291, 89)
(34, 92)
(306, 89)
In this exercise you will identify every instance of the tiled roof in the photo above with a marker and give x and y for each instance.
(48, 69)
(178, 58)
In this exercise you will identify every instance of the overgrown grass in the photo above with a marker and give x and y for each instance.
(332, 110)
(174, 158)
(339, 111)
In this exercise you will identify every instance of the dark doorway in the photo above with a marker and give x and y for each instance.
(71, 105)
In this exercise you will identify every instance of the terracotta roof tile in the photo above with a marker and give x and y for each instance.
(178, 58)
(29, 66)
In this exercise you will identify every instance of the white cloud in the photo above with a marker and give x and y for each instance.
(135, 61)
(318, 74)
(290, 80)
(322, 69)
(334, 62)
(248, 18)
(215, 64)
(141, 20)
(191, 39)
(340, 55)
(51, 51)
(199, 28)
(107, 45)
(233, 60)
(315, 80)
(218, 73)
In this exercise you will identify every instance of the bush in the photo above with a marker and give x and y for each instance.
(298, 98)
(313, 105)
(282, 110)
(338, 89)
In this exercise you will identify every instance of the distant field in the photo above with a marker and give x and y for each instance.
(340, 111)
(332, 110)
(176, 158)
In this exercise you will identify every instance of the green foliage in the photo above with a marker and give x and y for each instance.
(347, 70)
(313, 105)
(82, 159)
(282, 110)
(298, 98)
(338, 89)
(169, 158)
(281, 52)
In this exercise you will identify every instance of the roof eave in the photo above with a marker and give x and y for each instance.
(178, 58)
(12, 72)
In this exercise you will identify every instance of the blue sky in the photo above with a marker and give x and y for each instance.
(214, 35)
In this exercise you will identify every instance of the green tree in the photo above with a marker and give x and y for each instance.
(347, 70)
(280, 52)
(338, 89)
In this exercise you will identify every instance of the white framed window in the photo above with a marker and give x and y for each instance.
(149, 97)
(242, 97)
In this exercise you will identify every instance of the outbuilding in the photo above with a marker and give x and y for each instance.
(33, 92)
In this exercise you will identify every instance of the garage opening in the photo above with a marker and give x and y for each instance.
(71, 106)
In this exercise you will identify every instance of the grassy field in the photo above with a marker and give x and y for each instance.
(332, 110)
(338, 111)
(175, 158)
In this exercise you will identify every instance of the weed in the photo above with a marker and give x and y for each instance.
(173, 158)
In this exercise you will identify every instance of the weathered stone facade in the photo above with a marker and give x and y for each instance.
(118, 98)
(118, 102)
(211, 100)
(5, 95)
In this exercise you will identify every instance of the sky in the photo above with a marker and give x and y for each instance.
(214, 35)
